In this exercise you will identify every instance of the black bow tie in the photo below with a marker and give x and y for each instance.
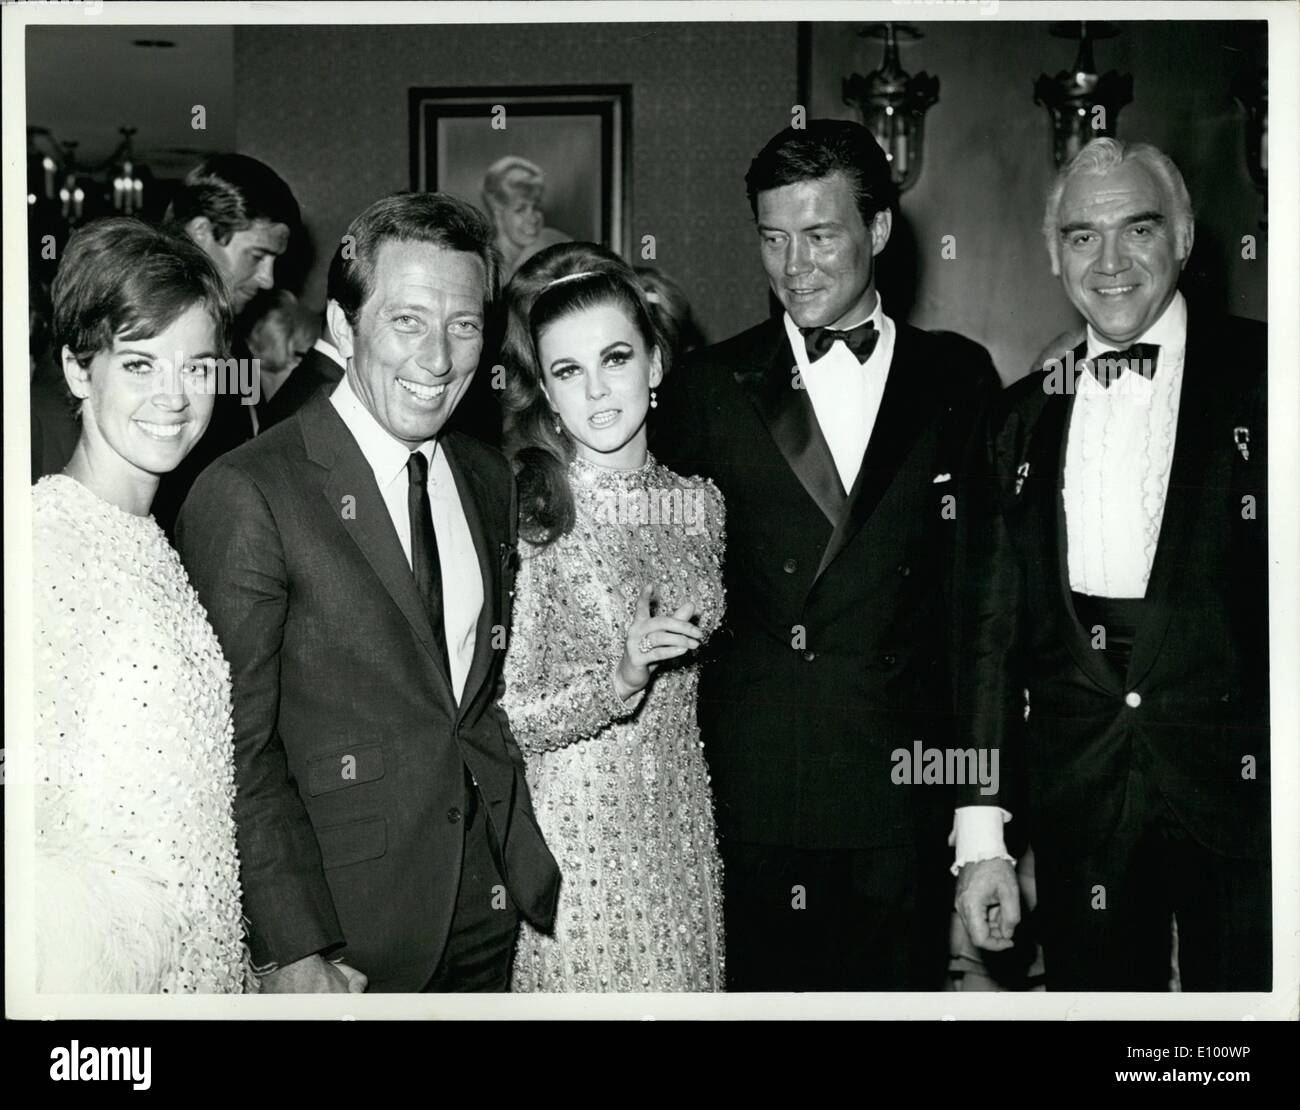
(860, 340)
(1107, 366)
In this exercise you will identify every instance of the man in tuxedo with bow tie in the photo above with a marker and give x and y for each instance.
(356, 563)
(836, 436)
(1115, 575)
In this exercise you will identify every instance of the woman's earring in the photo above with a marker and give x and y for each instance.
(559, 428)
(654, 401)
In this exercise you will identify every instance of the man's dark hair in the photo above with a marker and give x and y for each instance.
(122, 278)
(824, 147)
(437, 218)
(234, 192)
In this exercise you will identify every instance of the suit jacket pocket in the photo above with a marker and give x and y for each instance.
(353, 842)
(348, 767)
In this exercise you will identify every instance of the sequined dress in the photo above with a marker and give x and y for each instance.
(136, 870)
(621, 789)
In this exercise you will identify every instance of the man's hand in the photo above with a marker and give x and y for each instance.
(988, 900)
(314, 975)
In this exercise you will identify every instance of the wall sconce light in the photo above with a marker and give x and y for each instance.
(128, 188)
(893, 103)
(1083, 105)
(72, 196)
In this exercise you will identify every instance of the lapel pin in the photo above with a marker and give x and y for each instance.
(1241, 437)
(1023, 472)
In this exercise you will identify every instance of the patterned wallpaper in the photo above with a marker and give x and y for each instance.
(327, 107)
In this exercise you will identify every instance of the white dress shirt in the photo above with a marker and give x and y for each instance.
(1119, 451)
(330, 351)
(845, 393)
(462, 580)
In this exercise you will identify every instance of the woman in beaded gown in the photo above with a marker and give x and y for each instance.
(137, 882)
(619, 584)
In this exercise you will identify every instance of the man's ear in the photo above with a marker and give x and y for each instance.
(76, 375)
(882, 223)
(339, 328)
(199, 229)
(1188, 239)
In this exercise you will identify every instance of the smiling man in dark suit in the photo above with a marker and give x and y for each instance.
(355, 561)
(1116, 574)
(836, 436)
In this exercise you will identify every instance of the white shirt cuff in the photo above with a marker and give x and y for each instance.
(977, 835)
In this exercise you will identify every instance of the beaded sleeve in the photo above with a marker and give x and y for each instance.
(559, 679)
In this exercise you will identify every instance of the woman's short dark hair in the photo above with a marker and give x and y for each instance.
(537, 297)
(122, 278)
(234, 192)
(436, 218)
(824, 147)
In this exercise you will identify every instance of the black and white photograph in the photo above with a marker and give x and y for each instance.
(609, 511)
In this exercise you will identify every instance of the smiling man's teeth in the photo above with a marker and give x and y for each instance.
(160, 431)
(423, 392)
(604, 419)
(1117, 290)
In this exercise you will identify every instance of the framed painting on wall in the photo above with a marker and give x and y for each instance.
(545, 163)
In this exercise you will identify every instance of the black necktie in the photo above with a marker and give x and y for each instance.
(860, 340)
(1130, 358)
(424, 549)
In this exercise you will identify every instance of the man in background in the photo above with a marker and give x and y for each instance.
(283, 336)
(241, 214)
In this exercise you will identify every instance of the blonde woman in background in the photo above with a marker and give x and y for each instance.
(512, 197)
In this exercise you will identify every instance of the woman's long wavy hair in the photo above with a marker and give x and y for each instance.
(536, 298)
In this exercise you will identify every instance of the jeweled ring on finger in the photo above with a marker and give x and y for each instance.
(646, 646)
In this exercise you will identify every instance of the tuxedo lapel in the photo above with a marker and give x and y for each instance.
(903, 412)
(354, 498)
(470, 489)
(788, 414)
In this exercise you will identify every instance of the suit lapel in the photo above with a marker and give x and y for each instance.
(469, 487)
(353, 496)
(903, 412)
(788, 414)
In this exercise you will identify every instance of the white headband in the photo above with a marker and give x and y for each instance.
(569, 277)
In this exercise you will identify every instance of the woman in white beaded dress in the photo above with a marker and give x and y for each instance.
(619, 584)
(137, 883)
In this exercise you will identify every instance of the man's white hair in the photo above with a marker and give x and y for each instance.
(1099, 158)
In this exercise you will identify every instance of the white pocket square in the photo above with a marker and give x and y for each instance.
(941, 478)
